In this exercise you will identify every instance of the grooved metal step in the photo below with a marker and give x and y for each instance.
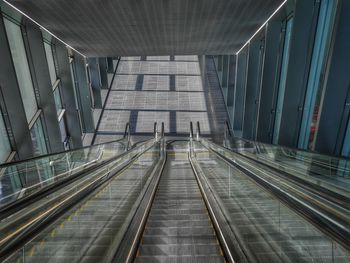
(178, 228)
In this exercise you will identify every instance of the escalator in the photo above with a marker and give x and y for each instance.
(182, 200)
(25, 181)
(178, 228)
(267, 229)
(85, 230)
(332, 173)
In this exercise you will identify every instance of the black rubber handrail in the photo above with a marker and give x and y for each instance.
(230, 132)
(226, 241)
(191, 130)
(259, 149)
(320, 219)
(5, 165)
(227, 128)
(332, 196)
(198, 131)
(127, 250)
(155, 129)
(14, 245)
(16, 206)
(162, 130)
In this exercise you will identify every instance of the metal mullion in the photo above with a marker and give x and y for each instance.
(34, 119)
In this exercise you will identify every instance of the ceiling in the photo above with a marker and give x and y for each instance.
(150, 27)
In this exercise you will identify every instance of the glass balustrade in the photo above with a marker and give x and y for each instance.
(22, 178)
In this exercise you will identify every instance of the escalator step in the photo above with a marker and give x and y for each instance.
(172, 240)
(182, 231)
(178, 250)
(180, 259)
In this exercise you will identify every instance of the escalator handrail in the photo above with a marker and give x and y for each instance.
(327, 224)
(43, 222)
(198, 131)
(16, 206)
(125, 136)
(69, 172)
(128, 250)
(155, 129)
(257, 146)
(342, 198)
(162, 132)
(228, 129)
(223, 242)
(191, 130)
(260, 147)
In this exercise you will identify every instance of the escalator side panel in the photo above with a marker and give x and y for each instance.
(268, 230)
(89, 230)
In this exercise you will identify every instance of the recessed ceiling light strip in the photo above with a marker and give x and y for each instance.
(261, 27)
(42, 27)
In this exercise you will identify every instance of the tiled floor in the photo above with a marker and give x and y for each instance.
(159, 89)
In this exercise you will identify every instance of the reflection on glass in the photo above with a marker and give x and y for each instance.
(38, 138)
(101, 219)
(63, 130)
(267, 230)
(283, 79)
(50, 62)
(20, 62)
(22, 179)
(332, 173)
(76, 97)
(5, 147)
(58, 102)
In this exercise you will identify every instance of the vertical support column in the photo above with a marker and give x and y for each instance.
(231, 86)
(103, 72)
(219, 68)
(252, 89)
(82, 84)
(69, 98)
(110, 68)
(333, 127)
(95, 81)
(202, 66)
(239, 94)
(41, 76)
(302, 40)
(12, 98)
(269, 88)
(225, 71)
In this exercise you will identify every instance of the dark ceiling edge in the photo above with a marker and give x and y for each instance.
(82, 54)
(42, 27)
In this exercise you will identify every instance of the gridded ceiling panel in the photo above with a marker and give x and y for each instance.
(151, 27)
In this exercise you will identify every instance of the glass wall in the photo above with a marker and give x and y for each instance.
(19, 57)
(314, 88)
(58, 102)
(50, 62)
(77, 96)
(64, 134)
(283, 79)
(56, 88)
(38, 138)
(54, 81)
(5, 148)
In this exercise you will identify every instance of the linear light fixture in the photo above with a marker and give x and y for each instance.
(42, 27)
(262, 26)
